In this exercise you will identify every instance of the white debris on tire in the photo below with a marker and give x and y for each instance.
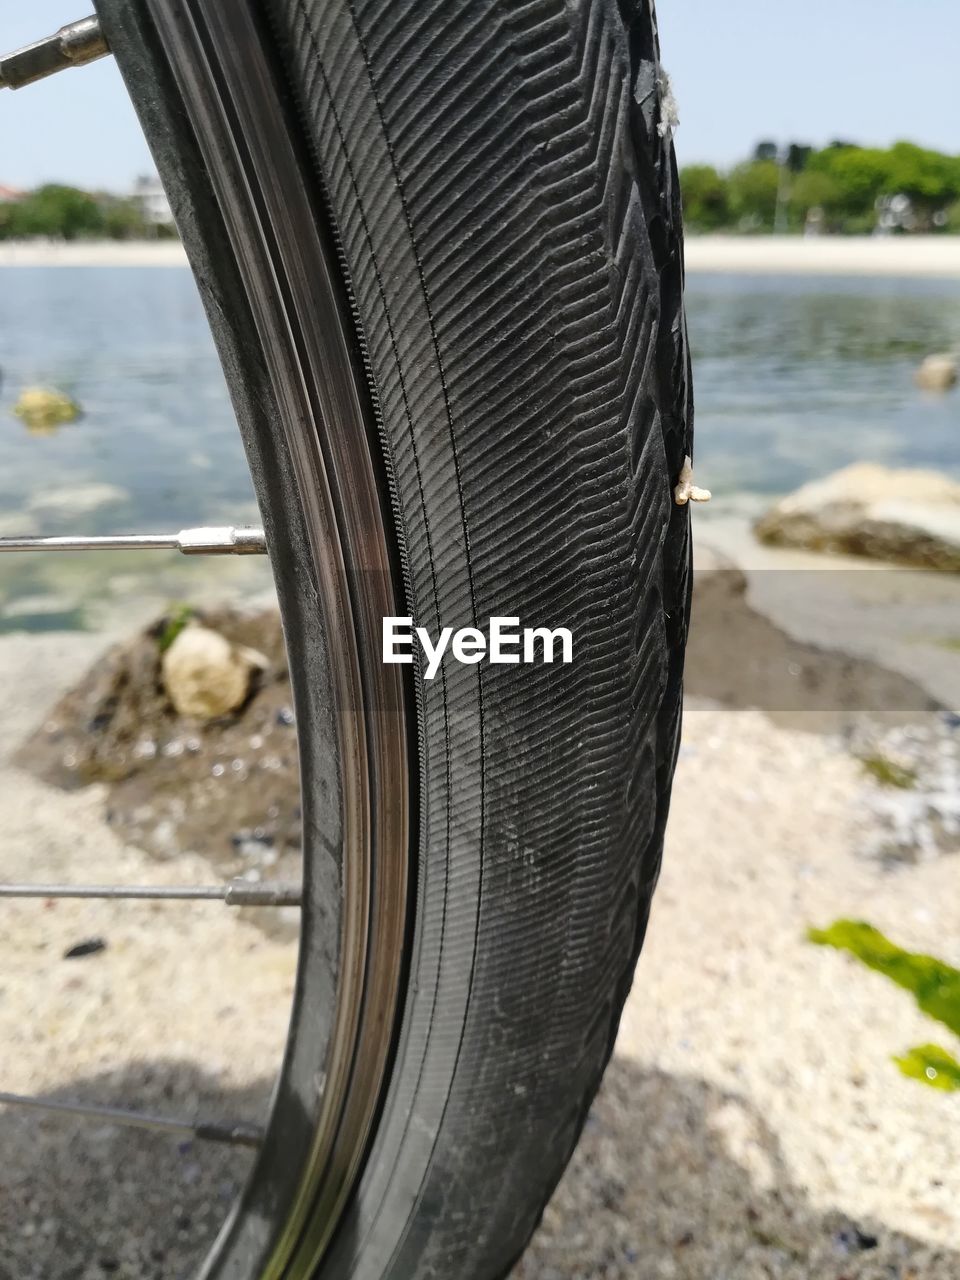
(686, 491)
(669, 110)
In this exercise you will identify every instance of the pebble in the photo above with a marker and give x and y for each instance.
(89, 947)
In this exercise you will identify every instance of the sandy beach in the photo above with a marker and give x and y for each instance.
(911, 256)
(924, 256)
(92, 253)
(751, 1124)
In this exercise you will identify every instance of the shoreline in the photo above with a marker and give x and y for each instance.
(924, 257)
(928, 257)
(93, 253)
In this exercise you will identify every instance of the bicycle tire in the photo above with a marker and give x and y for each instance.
(492, 189)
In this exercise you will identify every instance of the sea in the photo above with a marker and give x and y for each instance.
(794, 377)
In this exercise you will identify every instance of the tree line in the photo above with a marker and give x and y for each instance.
(61, 212)
(843, 188)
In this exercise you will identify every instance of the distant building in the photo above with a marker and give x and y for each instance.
(10, 195)
(154, 205)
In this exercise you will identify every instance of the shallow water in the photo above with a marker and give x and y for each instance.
(131, 345)
(157, 446)
(794, 377)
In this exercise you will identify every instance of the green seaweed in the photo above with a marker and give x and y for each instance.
(176, 620)
(931, 1065)
(934, 985)
(888, 773)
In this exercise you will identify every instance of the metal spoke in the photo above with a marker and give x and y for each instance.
(238, 1134)
(238, 893)
(74, 45)
(203, 541)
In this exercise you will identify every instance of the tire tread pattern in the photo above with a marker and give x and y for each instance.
(506, 199)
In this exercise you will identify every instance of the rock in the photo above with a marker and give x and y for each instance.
(207, 676)
(904, 516)
(174, 784)
(938, 372)
(43, 410)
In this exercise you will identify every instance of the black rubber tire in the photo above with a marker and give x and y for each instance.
(500, 184)
(501, 177)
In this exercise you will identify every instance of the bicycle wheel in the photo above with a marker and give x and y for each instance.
(440, 249)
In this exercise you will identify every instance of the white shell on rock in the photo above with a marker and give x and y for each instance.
(207, 676)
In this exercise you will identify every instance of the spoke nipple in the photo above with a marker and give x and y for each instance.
(74, 45)
(225, 540)
(247, 893)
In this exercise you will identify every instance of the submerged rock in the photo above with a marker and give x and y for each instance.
(938, 372)
(904, 516)
(69, 502)
(42, 410)
(207, 676)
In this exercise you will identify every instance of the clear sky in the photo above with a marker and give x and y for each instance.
(866, 70)
(870, 71)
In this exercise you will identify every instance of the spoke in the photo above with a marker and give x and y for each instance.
(203, 541)
(238, 893)
(236, 1134)
(72, 46)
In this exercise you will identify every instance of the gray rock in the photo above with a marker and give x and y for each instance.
(903, 516)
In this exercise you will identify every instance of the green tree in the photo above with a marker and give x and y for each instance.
(853, 185)
(7, 220)
(859, 176)
(798, 153)
(57, 211)
(753, 193)
(813, 190)
(706, 198)
(123, 220)
(929, 178)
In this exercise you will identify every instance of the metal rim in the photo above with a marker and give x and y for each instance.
(283, 259)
